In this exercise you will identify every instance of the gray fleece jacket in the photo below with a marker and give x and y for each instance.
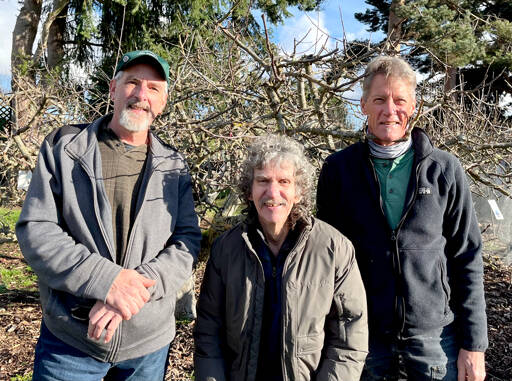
(65, 234)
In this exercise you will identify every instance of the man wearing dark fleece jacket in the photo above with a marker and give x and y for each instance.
(407, 209)
(109, 227)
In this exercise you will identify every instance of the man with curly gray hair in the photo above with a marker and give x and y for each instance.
(282, 298)
(276, 149)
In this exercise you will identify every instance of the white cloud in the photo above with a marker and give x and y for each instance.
(7, 20)
(350, 36)
(363, 35)
(308, 32)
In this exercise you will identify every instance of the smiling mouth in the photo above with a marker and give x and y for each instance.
(138, 107)
(272, 204)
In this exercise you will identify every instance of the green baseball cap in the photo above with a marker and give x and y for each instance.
(147, 57)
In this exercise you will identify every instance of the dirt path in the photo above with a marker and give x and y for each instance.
(20, 317)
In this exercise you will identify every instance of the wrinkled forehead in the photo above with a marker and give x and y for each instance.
(382, 82)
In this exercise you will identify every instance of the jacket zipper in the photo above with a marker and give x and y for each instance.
(399, 299)
(96, 212)
(394, 237)
(248, 244)
(262, 273)
(115, 339)
(395, 255)
(283, 304)
(376, 178)
(140, 200)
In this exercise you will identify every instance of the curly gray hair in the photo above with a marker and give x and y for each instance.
(276, 149)
(393, 67)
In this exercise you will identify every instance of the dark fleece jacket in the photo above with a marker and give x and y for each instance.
(426, 273)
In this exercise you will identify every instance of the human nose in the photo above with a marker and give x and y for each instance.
(141, 92)
(273, 189)
(389, 107)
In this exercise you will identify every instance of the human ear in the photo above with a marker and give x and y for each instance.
(112, 88)
(363, 106)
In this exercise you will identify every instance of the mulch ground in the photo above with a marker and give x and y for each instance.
(20, 317)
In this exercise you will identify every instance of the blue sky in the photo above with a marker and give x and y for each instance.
(319, 24)
(332, 22)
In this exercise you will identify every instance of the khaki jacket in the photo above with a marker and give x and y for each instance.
(324, 322)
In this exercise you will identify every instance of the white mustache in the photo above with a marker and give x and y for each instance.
(142, 105)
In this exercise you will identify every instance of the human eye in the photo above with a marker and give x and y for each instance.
(154, 88)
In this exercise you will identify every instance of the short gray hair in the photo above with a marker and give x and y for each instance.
(389, 66)
(276, 149)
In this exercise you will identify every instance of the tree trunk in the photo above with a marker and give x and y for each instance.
(450, 82)
(394, 28)
(56, 36)
(23, 75)
(23, 36)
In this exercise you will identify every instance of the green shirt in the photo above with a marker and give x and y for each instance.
(123, 168)
(394, 175)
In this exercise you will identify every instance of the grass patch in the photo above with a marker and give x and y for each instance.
(8, 219)
(17, 278)
(26, 377)
(183, 321)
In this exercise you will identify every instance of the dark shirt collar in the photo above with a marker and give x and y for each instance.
(257, 237)
(109, 137)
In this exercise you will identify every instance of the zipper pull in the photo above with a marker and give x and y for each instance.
(393, 236)
(274, 271)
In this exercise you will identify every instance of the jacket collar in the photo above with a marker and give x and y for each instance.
(420, 142)
(83, 145)
(305, 225)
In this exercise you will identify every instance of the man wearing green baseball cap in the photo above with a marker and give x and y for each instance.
(144, 56)
(109, 226)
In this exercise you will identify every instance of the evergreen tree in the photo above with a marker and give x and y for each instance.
(470, 35)
(96, 29)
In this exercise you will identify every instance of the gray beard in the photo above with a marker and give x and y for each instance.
(129, 124)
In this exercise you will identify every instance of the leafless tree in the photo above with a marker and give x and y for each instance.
(223, 94)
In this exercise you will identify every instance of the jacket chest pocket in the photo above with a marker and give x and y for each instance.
(307, 306)
(306, 345)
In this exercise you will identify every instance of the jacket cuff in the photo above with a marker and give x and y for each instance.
(209, 369)
(102, 279)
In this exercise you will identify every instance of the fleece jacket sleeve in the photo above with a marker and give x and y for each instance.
(58, 260)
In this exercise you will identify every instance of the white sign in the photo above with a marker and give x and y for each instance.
(24, 178)
(496, 210)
